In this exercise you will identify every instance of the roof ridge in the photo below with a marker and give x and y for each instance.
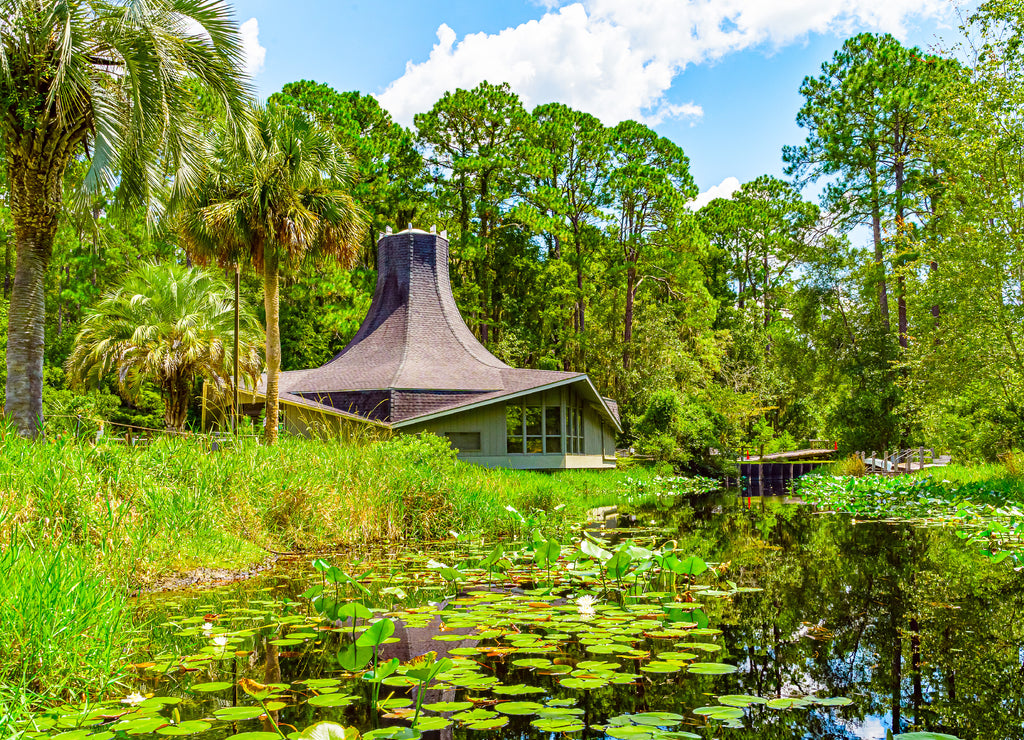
(408, 318)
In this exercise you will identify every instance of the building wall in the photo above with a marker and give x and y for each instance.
(489, 423)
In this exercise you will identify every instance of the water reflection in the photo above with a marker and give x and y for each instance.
(911, 623)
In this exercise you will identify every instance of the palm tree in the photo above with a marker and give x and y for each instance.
(273, 196)
(166, 324)
(109, 79)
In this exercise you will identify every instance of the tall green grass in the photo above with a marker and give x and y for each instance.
(64, 632)
(176, 505)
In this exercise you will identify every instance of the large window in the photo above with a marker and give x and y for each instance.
(533, 429)
(574, 426)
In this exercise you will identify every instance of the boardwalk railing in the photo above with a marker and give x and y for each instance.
(893, 462)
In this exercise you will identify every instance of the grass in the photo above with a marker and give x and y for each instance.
(86, 525)
(174, 505)
(1000, 476)
(65, 631)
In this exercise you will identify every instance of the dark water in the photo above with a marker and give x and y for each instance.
(912, 624)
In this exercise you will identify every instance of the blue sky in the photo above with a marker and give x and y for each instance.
(719, 77)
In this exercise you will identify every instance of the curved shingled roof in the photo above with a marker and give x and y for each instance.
(413, 355)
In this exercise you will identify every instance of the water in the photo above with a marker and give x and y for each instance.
(911, 624)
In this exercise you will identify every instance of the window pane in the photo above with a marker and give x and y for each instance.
(514, 420)
(554, 444)
(464, 441)
(514, 429)
(534, 445)
(553, 421)
(533, 420)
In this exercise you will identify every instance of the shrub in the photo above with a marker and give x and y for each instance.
(852, 465)
(678, 430)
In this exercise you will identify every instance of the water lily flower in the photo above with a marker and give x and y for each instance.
(220, 640)
(208, 629)
(133, 698)
(585, 605)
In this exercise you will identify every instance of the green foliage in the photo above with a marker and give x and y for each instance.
(976, 509)
(679, 430)
(389, 180)
(166, 325)
(61, 98)
(64, 629)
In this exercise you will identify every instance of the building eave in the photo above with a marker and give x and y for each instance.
(582, 377)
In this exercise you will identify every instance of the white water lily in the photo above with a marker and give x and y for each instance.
(208, 628)
(133, 698)
(585, 605)
(220, 640)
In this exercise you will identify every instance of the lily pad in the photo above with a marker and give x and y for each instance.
(448, 706)
(429, 724)
(741, 700)
(238, 714)
(833, 701)
(558, 724)
(488, 724)
(788, 703)
(573, 682)
(330, 700)
(660, 666)
(711, 669)
(518, 707)
(517, 690)
(212, 686)
(719, 713)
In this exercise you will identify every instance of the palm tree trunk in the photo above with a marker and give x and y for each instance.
(271, 302)
(176, 403)
(35, 207)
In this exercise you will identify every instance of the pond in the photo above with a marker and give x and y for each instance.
(714, 616)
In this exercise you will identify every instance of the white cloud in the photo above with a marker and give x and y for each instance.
(253, 55)
(724, 189)
(618, 58)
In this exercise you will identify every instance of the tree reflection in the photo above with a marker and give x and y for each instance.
(912, 623)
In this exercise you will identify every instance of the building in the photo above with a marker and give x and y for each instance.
(415, 366)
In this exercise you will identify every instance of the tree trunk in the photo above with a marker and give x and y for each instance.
(627, 321)
(271, 302)
(765, 300)
(176, 399)
(581, 319)
(8, 258)
(35, 187)
(876, 234)
(901, 307)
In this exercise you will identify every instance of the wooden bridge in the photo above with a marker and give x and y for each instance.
(897, 462)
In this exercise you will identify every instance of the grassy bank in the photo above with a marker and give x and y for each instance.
(174, 505)
(82, 526)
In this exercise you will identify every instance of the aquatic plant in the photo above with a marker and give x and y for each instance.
(984, 515)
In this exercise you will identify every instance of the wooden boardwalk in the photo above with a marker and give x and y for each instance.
(819, 454)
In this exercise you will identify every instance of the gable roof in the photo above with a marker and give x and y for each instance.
(413, 357)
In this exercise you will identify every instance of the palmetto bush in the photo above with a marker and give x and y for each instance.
(166, 324)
